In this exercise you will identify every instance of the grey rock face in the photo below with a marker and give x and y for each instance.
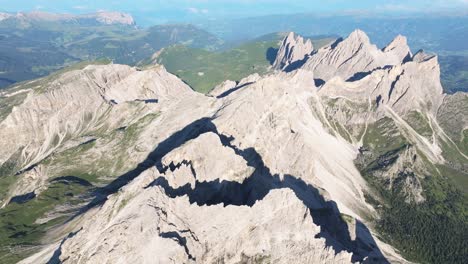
(293, 49)
(246, 173)
(355, 56)
(399, 48)
(232, 169)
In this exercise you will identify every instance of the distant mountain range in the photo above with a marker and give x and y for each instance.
(443, 34)
(107, 18)
(37, 43)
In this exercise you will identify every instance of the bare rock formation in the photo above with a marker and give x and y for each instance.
(293, 49)
(355, 56)
(267, 169)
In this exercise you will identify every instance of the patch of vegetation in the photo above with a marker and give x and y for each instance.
(463, 146)
(430, 232)
(456, 165)
(347, 218)
(19, 230)
(383, 136)
(73, 174)
(85, 162)
(419, 123)
(458, 178)
(203, 70)
(341, 130)
(40, 48)
(7, 174)
(7, 104)
(454, 73)
(5, 182)
(67, 163)
(339, 107)
(451, 115)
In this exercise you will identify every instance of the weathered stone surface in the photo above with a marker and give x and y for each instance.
(293, 49)
(246, 173)
(354, 56)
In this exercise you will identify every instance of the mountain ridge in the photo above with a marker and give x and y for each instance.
(340, 151)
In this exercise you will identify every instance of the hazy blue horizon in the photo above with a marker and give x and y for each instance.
(151, 11)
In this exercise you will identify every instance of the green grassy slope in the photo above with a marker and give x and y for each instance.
(203, 70)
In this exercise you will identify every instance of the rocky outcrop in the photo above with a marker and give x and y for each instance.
(29, 185)
(205, 159)
(354, 57)
(414, 85)
(153, 225)
(223, 88)
(293, 49)
(399, 48)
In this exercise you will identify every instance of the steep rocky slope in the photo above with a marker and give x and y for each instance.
(293, 49)
(277, 168)
(412, 139)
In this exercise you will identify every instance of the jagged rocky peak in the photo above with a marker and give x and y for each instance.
(422, 56)
(293, 48)
(358, 37)
(351, 58)
(399, 47)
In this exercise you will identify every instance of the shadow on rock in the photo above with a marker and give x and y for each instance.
(324, 213)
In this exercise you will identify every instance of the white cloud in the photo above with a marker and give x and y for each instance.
(195, 10)
(396, 7)
(80, 7)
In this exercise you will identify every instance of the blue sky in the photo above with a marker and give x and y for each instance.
(183, 10)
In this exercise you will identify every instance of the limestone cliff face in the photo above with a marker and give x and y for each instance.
(261, 170)
(77, 102)
(355, 55)
(252, 168)
(151, 226)
(293, 49)
(61, 112)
